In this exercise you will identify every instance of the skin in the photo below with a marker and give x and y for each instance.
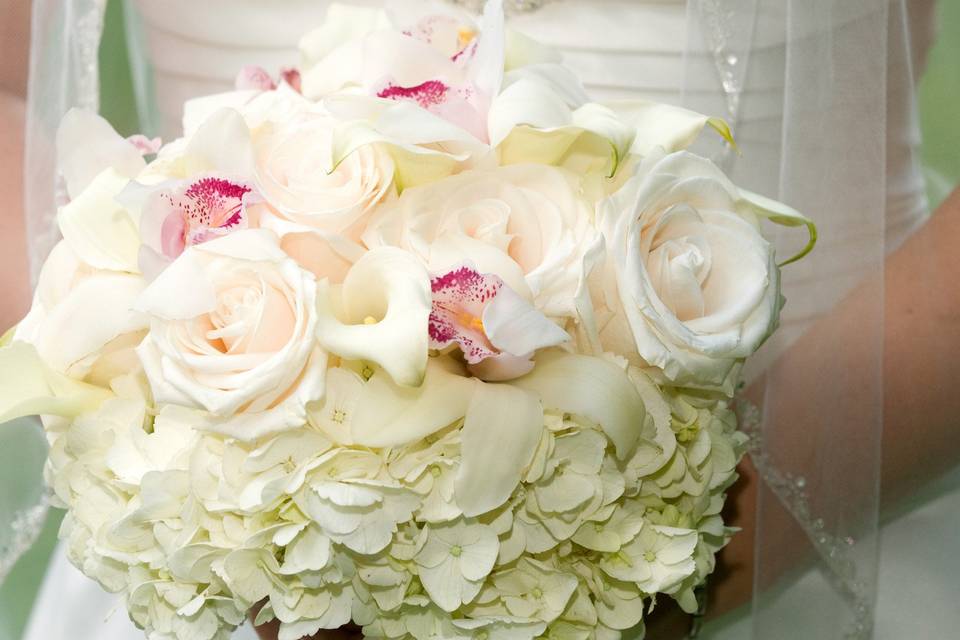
(14, 48)
(920, 332)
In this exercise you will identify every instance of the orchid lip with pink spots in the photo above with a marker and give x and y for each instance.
(496, 330)
(196, 211)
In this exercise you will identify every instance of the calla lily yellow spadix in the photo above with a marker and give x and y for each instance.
(393, 288)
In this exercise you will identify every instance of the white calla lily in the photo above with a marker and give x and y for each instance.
(29, 387)
(424, 146)
(379, 314)
(500, 434)
(591, 387)
(664, 126)
(390, 415)
(533, 121)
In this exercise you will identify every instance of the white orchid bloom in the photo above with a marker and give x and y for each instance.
(87, 146)
(497, 330)
(386, 414)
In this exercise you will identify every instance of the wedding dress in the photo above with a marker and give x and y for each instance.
(724, 57)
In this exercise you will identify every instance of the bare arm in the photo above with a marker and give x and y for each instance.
(921, 439)
(14, 47)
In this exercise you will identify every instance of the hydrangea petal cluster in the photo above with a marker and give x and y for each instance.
(417, 338)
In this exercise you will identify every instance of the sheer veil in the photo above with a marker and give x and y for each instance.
(811, 87)
(63, 74)
(823, 78)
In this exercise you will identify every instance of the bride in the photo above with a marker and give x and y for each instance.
(780, 74)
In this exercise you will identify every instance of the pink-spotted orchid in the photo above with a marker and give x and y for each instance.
(494, 327)
(442, 63)
(192, 212)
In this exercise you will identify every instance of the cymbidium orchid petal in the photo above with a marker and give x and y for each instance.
(87, 145)
(495, 328)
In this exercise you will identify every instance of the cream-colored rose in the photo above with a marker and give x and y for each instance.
(232, 333)
(691, 284)
(527, 224)
(82, 318)
(294, 172)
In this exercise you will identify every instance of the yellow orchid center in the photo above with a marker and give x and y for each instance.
(470, 321)
(465, 36)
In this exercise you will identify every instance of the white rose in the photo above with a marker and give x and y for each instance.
(232, 332)
(295, 173)
(81, 314)
(528, 224)
(693, 286)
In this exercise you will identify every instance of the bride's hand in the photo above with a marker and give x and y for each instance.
(667, 623)
(269, 632)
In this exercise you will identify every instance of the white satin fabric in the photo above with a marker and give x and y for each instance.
(70, 606)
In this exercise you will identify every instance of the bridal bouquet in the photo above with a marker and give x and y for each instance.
(415, 336)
